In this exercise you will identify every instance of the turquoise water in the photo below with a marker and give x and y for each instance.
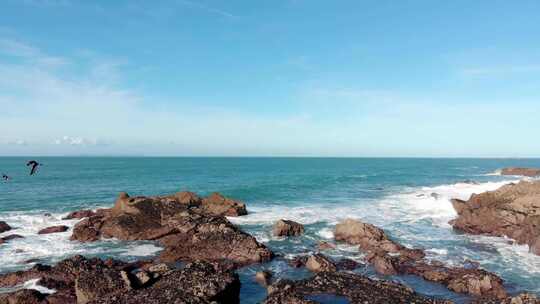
(394, 194)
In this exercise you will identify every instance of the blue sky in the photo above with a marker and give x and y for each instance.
(270, 78)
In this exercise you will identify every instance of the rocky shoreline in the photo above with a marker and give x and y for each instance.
(203, 250)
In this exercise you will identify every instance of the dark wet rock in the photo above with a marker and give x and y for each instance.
(356, 288)
(198, 282)
(188, 233)
(287, 228)
(326, 246)
(53, 229)
(298, 261)
(10, 237)
(264, 278)
(347, 264)
(320, 263)
(217, 204)
(512, 210)
(79, 214)
(4, 227)
(24, 296)
(81, 280)
(531, 172)
(435, 195)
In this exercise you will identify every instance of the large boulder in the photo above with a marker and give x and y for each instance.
(186, 231)
(287, 228)
(530, 172)
(80, 214)
(320, 263)
(352, 287)
(4, 227)
(512, 210)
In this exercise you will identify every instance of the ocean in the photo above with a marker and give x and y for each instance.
(392, 193)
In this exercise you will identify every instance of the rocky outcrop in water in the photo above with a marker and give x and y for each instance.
(354, 288)
(79, 214)
(530, 172)
(185, 225)
(10, 237)
(4, 227)
(512, 210)
(390, 258)
(287, 228)
(53, 229)
(80, 280)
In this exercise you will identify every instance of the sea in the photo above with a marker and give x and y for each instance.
(408, 197)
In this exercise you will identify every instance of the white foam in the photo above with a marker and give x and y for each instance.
(141, 250)
(33, 284)
(326, 233)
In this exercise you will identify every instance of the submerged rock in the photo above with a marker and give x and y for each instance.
(263, 278)
(4, 227)
(355, 288)
(512, 210)
(287, 228)
(186, 231)
(530, 172)
(53, 229)
(10, 237)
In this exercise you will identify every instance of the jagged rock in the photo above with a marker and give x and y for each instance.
(4, 227)
(187, 233)
(356, 288)
(531, 172)
(320, 263)
(53, 229)
(24, 296)
(298, 261)
(217, 204)
(347, 264)
(326, 246)
(512, 210)
(10, 237)
(79, 214)
(287, 228)
(263, 278)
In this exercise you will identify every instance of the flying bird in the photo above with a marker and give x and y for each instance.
(34, 165)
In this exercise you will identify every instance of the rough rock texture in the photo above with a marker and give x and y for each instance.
(512, 210)
(326, 246)
(287, 228)
(356, 288)
(53, 229)
(79, 214)
(4, 227)
(80, 280)
(217, 204)
(188, 231)
(319, 263)
(531, 172)
(391, 258)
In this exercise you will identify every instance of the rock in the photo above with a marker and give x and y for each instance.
(263, 278)
(382, 263)
(320, 263)
(347, 264)
(80, 280)
(530, 172)
(355, 288)
(512, 211)
(298, 262)
(159, 268)
(10, 237)
(217, 204)
(79, 214)
(189, 199)
(188, 233)
(326, 246)
(435, 195)
(23, 296)
(4, 227)
(53, 229)
(287, 228)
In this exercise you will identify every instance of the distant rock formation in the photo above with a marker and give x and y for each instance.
(4, 227)
(512, 210)
(530, 172)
